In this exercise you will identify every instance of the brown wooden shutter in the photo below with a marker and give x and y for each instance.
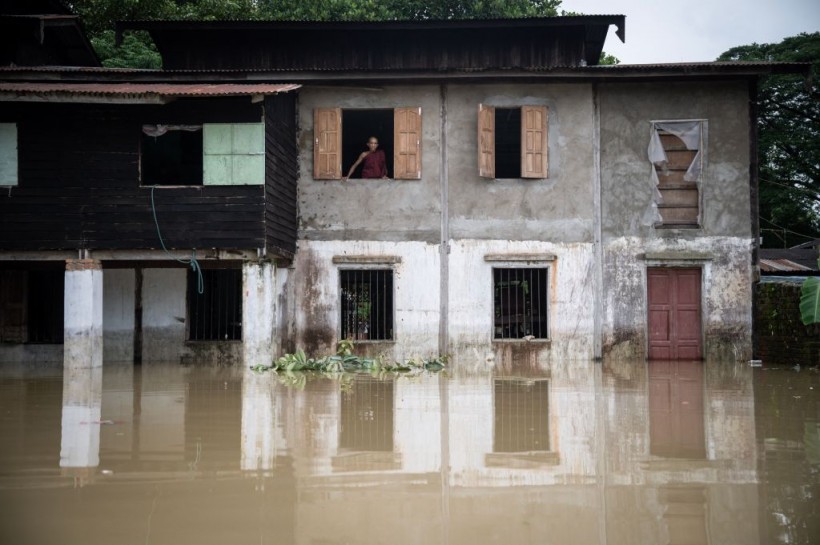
(327, 143)
(407, 143)
(486, 141)
(13, 318)
(534, 142)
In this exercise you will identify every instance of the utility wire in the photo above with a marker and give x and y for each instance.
(788, 230)
(193, 263)
(809, 192)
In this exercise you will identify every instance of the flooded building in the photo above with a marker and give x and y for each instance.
(534, 206)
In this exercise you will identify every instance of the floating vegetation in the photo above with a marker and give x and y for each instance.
(345, 361)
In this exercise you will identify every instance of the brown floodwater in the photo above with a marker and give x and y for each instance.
(628, 453)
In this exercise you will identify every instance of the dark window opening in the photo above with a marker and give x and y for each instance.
(216, 313)
(508, 142)
(520, 303)
(367, 304)
(173, 158)
(31, 306)
(46, 292)
(367, 416)
(521, 416)
(357, 127)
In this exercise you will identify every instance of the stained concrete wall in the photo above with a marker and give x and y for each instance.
(725, 237)
(118, 314)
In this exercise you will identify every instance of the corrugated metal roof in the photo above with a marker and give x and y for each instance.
(727, 67)
(781, 265)
(144, 90)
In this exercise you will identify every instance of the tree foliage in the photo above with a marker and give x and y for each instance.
(788, 141)
(138, 51)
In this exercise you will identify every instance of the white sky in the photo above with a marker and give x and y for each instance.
(697, 30)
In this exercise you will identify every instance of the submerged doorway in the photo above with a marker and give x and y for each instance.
(674, 313)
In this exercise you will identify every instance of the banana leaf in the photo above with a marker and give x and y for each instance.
(810, 301)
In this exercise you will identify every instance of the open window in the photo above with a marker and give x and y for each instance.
(340, 136)
(677, 153)
(520, 303)
(8, 154)
(216, 313)
(207, 154)
(367, 304)
(512, 142)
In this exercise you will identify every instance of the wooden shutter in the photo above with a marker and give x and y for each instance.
(327, 143)
(486, 141)
(534, 142)
(13, 317)
(407, 143)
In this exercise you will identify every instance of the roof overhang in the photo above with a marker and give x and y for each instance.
(134, 93)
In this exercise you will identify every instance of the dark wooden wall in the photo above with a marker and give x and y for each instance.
(375, 49)
(281, 174)
(79, 184)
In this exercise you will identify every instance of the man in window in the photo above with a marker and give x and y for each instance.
(375, 165)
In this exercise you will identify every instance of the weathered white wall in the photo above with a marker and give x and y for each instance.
(118, 315)
(726, 293)
(163, 314)
(416, 298)
(417, 423)
(570, 304)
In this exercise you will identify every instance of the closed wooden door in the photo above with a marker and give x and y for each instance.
(674, 314)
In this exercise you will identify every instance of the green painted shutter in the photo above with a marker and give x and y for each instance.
(233, 153)
(8, 154)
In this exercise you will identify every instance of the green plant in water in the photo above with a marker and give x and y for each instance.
(345, 361)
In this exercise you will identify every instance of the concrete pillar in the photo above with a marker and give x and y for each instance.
(258, 311)
(83, 321)
(82, 401)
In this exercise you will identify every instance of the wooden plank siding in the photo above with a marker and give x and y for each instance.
(281, 175)
(79, 182)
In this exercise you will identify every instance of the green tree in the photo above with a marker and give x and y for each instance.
(788, 141)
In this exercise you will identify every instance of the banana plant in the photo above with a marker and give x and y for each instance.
(810, 300)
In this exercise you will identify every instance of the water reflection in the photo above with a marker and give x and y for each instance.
(664, 452)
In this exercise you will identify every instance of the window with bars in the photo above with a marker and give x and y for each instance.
(521, 410)
(520, 303)
(216, 313)
(367, 304)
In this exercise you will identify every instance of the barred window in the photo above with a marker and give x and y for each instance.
(367, 304)
(216, 313)
(520, 303)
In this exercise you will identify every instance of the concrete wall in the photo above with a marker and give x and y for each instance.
(118, 314)
(724, 236)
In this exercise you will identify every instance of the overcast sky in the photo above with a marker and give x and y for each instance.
(698, 30)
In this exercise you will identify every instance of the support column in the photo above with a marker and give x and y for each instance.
(83, 318)
(258, 311)
(80, 440)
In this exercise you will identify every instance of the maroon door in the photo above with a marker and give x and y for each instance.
(674, 314)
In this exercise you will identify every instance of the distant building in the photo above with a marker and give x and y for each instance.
(537, 206)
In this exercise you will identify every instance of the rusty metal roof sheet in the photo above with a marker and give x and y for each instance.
(135, 92)
(781, 265)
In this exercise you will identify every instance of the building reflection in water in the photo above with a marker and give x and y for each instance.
(589, 453)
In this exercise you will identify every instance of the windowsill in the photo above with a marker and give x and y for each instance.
(674, 227)
(202, 341)
(164, 186)
(373, 341)
(518, 341)
(515, 179)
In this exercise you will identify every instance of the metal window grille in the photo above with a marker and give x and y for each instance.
(215, 314)
(367, 416)
(367, 304)
(46, 293)
(520, 303)
(521, 416)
